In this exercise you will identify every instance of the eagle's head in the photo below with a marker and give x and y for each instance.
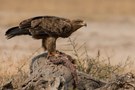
(76, 24)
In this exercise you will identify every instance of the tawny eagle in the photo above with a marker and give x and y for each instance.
(47, 28)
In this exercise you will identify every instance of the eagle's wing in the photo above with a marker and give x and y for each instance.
(53, 26)
(27, 23)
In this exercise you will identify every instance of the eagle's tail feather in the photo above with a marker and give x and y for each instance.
(15, 31)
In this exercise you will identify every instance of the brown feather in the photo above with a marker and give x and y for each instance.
(46, 27)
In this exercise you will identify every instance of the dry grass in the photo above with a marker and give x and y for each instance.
(15, 70)
(98, 67)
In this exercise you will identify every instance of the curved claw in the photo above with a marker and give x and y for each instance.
(53, 54)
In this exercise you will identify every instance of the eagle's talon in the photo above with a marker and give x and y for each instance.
(54, 54)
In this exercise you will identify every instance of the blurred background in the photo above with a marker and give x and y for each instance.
(111, 27)
(93, 10)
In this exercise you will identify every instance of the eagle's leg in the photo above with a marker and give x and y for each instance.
(44, 42)
(51, 46)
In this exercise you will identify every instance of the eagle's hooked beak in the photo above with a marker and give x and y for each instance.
(85, 24)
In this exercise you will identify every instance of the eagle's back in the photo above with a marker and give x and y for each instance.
(50, 25)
